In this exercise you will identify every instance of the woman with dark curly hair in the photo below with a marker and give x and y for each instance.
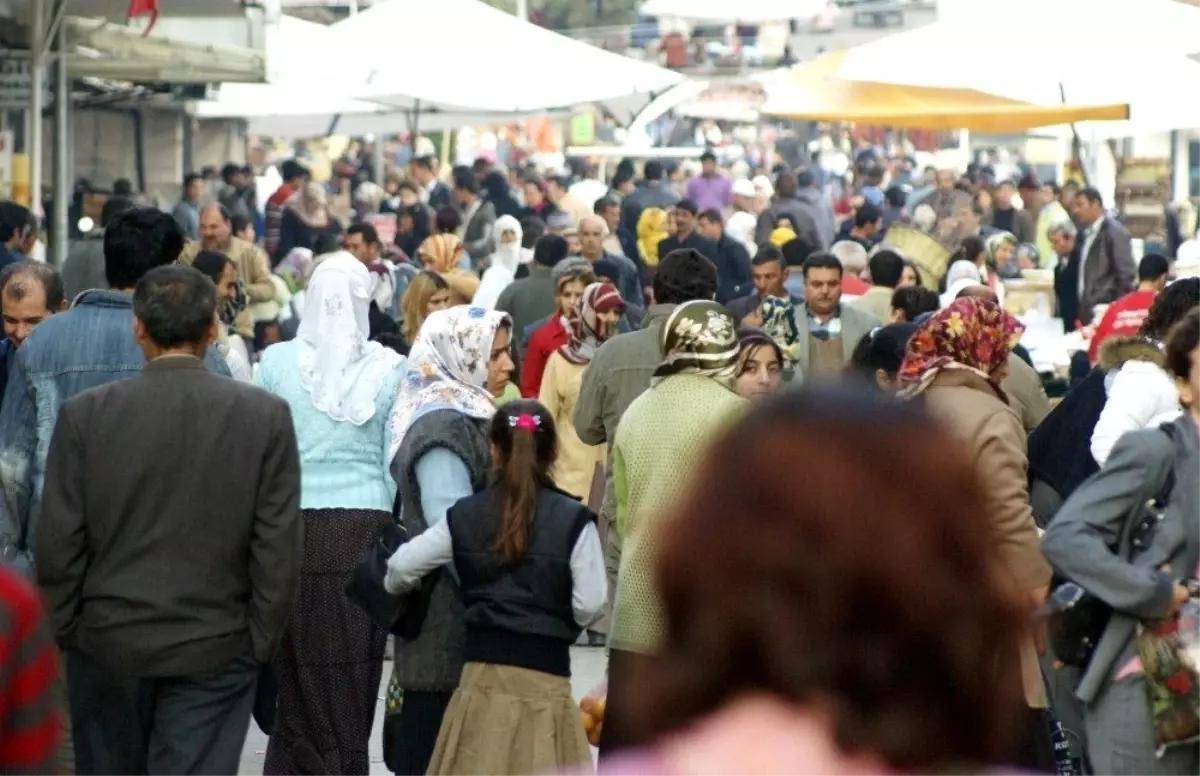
(798, 649)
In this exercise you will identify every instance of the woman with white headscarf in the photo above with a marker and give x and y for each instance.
(457, 367)
(505, 260)
(962, 273)
(341, 389)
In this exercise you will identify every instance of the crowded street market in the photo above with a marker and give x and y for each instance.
(600, 386)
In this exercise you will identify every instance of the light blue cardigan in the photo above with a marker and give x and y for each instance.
(342, 466)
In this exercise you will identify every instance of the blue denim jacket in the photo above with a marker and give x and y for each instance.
(91, 344)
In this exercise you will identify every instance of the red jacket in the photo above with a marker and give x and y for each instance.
(852, 286)
(542, 344)
(29, 715)
(1123, 318)
(273, 215)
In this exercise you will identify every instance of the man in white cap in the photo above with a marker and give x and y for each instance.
(742, 220)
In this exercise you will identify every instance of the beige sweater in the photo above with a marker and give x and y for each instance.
(576, 461)
(253, 270)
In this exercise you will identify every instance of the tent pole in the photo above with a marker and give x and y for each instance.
(37, 74)
(1076, 145)
(414, 125)
(337, 117)
(62, 154)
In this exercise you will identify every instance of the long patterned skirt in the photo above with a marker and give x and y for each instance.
(331, 661)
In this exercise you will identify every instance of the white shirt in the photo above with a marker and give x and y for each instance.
(1089, 237)
(434, 548)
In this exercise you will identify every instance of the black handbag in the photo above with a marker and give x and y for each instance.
(1077, 618)
(402, 614)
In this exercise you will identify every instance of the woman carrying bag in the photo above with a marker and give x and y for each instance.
(1103, 541)
(531, 576)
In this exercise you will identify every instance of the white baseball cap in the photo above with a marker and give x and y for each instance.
(742, 187)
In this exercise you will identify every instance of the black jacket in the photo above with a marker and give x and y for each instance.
(734, 276)
(518, 614)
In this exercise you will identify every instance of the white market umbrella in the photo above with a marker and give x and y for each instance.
(1136, 53)
(466, 55)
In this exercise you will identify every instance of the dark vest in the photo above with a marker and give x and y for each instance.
(518, 614)
(433, 661)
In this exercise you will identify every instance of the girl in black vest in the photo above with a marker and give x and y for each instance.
(531, 575)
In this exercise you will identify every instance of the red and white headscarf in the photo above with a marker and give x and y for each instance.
(584, 328)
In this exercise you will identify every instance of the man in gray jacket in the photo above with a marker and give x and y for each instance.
(479, 217)
(83, 268)
(1143, 583)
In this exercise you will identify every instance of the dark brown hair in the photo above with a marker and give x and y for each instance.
(874, 594)
(523, 434)
(1181, 344)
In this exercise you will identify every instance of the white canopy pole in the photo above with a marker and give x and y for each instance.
(37, 75)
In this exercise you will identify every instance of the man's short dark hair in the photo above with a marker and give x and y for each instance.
(683, 276)
(1091, 194)
(291, 169)
(603, 204)
(708, 156)
(1152, 267)
(238, 223)
(1054, 187)
(176, 305)
(620, 178)
(464, 179)
(326, 242)
(768, 254)
(687, 206)
(653, 170)
(14, 217)
(796, 251)
(138, 240)
(806, 179)
(424, 162)
(192, 177)
(821, 260)
(550, 249)
(16, 280)
(1182, 340)
(123, 187)
(559, 181)
(230, 171)
(211, 264)
(914, 300)
(369, 234)
(896, 197)
(867, 215)
(886, 268)
(713, 216)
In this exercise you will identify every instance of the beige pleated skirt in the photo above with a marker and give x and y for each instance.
(505, 720)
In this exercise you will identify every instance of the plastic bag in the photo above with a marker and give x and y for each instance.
(1168, 651)
(592, 708)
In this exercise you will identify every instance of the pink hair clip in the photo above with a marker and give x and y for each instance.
(524, 422)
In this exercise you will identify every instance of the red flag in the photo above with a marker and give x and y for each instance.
(144, 8)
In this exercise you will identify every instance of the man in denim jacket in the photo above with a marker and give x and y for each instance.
(89, 345)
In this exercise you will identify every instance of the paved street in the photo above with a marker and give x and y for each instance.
(587, 667)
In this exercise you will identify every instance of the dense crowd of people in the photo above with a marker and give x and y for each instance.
(493, 414)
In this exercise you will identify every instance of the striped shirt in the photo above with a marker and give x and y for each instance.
(30, 720)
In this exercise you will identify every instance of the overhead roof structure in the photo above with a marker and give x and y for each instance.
(734, 11)
(102, 49)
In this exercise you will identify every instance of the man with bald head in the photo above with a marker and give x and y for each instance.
(1022, 384)
(619, 269)
(253, 270)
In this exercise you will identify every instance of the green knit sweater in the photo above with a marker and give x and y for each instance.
(660, 441)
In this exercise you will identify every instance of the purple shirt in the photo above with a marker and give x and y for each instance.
(710, 193)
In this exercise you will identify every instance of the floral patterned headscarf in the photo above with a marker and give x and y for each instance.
(700, 338)
(779, 320)
(440, 252)
(585, 330)
(972, 334)
(447, 368)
